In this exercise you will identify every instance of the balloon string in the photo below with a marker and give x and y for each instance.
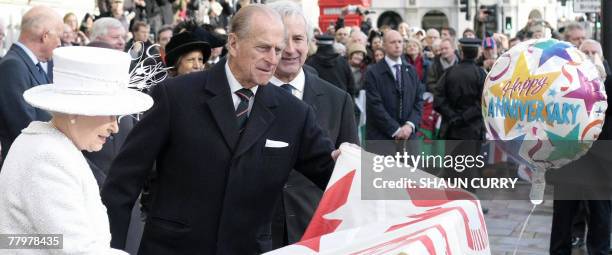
(523, 229)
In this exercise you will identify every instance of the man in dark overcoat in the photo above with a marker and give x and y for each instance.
(224, 143)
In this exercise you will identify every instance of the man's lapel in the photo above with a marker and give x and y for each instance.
(260, 118)
(406, 78)
(222, 105)
(386, 70)
(312, 91)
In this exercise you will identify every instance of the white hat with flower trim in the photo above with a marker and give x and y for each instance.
(89, 81)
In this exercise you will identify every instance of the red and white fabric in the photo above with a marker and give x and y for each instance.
(345, 224)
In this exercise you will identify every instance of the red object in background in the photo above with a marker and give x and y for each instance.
(329, 11)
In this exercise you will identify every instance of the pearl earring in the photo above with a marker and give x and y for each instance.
(72, 121)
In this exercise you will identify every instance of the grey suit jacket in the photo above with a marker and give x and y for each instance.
(18, 73)
(334, 110)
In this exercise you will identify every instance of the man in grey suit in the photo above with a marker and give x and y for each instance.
(334, 112)
(27, 64)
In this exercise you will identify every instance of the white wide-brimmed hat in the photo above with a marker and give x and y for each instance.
(89, 81)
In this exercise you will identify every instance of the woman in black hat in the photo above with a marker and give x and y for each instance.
(186, 54)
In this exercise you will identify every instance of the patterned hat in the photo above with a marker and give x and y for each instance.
(488, 43)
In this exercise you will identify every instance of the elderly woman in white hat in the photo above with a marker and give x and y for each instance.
(46, 186)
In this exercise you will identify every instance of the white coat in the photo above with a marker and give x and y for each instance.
(46, 187)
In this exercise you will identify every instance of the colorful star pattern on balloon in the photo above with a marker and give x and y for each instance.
(553, 48)
(520, 75)
(565, 147)
(589, 91)
(514, 146)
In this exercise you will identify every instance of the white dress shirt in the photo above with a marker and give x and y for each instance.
(235, 86)
(391, 63)
(297, 83)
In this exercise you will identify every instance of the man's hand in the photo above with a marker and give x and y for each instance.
(404, 133)
(407, 130)
(335, 154)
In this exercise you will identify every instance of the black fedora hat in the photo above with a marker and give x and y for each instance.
(182, 43)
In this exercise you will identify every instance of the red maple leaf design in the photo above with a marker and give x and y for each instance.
(333, 198)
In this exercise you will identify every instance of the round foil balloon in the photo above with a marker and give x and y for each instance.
(545, 102)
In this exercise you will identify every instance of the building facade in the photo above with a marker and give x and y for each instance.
(512, 15)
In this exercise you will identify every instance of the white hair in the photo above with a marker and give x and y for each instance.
(596, 43)
(288, 9)
(432, 31)
(101, 26)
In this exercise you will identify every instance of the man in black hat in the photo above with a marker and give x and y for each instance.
(331, 66)
(459, 95)
(458, 99)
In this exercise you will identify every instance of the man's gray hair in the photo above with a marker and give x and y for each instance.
(289, 9)
(101, 26)
(571, 27)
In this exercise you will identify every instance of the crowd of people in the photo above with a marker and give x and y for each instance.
(210, 136)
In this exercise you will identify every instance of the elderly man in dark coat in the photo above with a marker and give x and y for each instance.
(224, 143)
(458, 96)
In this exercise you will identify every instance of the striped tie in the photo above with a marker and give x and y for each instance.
(242, 111)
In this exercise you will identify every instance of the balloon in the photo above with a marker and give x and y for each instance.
(538, 96)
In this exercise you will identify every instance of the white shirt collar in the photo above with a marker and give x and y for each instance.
(32, 56)
(28, 52)
(233, 83)
(297, 82)
(392, 62)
